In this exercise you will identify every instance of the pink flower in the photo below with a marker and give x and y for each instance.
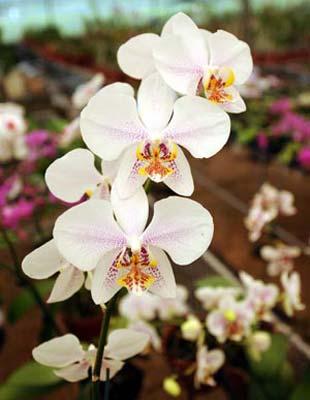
(41, 144)
(262, 141)
(281, 106)
(303, 157)
(12, 214)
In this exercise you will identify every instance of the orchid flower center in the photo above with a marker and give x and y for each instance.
(138, 266)
(216, 83)
(156, 159)
(230, 315)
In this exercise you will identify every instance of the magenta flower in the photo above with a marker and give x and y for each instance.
(281, 106)
(41, 144)
(303, 157)
(13, 213)
(262, 141)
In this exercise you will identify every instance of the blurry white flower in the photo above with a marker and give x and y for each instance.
(84, 92)
(257, 84)
(258, 343)
(231, 320)
(149, 330)
(72, 362)
(191, 60)
(191, 329)
(266, 205)
(12, 130)
(74, 175)
(46, 261)
(210, 296)
(208, 363)
(135, 307)
(260, 297)
(280, 258)
(150, 132)
(123, 252)
(292, 293)
(174, 307)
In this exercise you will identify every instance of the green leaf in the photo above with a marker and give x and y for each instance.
(29, 381)
(302, 391)
(24, 301)
(214, 281)
(272, 360)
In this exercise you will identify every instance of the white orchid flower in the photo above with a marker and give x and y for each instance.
(191, 61)
(195, 61)
(84, 92)
(266, 205)
(292, 293)
(208, 363)
(45, 262)
(191, 329)
(139, 307)
(73, 175)
(211, 296)
(124, 253)
(231, 320)
(12, 130)
(280, 258)
(150, 132)
(72, 362)
(260, 297)
(176, 307)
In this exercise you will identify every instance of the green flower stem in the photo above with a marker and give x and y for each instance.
(25, 282)
(101, 345)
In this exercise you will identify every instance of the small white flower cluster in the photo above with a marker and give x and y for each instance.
(12, 132)
(267, 204)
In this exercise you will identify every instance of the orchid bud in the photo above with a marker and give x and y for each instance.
(191, 328)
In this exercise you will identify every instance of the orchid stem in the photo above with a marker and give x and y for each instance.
(148, 186)
(100, 352)
(24, 281)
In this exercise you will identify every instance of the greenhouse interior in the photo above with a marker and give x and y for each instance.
(154, 200)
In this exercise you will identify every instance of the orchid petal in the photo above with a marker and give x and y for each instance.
(181, 227)
(70, 176)
(199, 126)
(113, 120)
(175, 65)
(59, 352)
(113, 365)
(42, 262)
(68, 282)
(135, 56)
(125, 343)
(164, 285)
(118, 88)
(236, 105)
(110, 169)
(131, 213)
(128, 179)
(181, 181)
(155, 102)
(104, 282)
(84, 233)
(227, 50)
(74, 373)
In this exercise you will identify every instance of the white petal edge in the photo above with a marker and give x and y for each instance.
(70, 176)
(59, 352)
(42, 262)
(181, 227)
(68, 282)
